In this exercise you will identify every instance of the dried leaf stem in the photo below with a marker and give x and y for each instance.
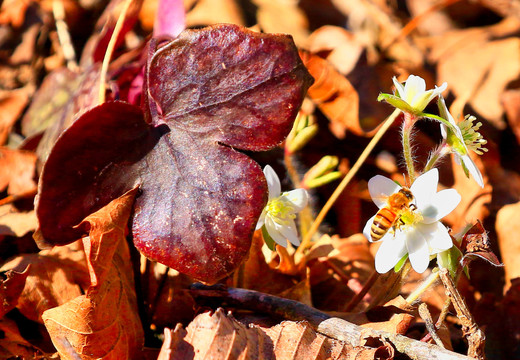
(335, 328)
(346, 180)
(475, 336)
(110, 50)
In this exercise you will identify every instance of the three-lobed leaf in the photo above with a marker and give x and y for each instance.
(209, 92)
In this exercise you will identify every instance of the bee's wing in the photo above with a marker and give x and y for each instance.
(380, 200)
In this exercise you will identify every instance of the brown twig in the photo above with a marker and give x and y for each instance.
(335, 328)
(426, 316)
(475, 336)
(360, 295)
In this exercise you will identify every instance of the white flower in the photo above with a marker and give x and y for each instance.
(457, 141)
(412, 96)
(279, 213)
(422, 234)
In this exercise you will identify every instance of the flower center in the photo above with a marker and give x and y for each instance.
(410, 217)
(280, 210)
(472, 138)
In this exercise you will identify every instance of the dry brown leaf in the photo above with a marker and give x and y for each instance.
(51, 281)
(336, 279)
(300, 292)
(293, 22)
(11, 107)
(11, 287)
(166, 292)
(393, 317)
(13, 345)
(208, 12)
(12, 12)
(335, 96)
(508, 231)
(220, 336)
(174, 346)
(16, 223)
(17, 171)
(343, 49)
(478, 69)
(474, 198)
(256, 274)
(511, 103)
(104, 322)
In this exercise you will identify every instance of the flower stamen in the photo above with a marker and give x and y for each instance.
(472, 137)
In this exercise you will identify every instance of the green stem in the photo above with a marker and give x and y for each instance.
(438, 154)
(423, 287)
(409, 120)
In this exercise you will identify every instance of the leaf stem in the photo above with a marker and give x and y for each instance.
(346, 180)
(110, 50)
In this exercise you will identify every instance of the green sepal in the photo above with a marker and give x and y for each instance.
(271, 244)
(400, 263)
(450, 259)
(396, 102)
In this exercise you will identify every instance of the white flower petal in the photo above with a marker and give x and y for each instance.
(273, 182)
(441, 204)
(398, 87)
(473, 170)
(298, 199)
(437, 237)
(273, 231)
(389, 253)
(261, 219)
(290, 232)
(380, 189)
(414, 87)
(418, 250)
(424, 187)
(368, 226)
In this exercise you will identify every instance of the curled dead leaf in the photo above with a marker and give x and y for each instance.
(104, 322)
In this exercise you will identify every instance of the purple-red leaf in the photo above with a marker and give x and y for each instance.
(210, 91)
(90, 166)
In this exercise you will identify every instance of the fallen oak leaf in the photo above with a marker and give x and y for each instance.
(52, 280)
(212, 90)
(103, 323)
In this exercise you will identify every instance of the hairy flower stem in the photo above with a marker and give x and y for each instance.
(409, 121)
(437, 155)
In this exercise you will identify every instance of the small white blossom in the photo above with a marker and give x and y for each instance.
(412, 96)
(459, 141)
(421, 234)
(279, 213)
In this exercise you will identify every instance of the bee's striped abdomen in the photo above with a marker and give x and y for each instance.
(383, 221)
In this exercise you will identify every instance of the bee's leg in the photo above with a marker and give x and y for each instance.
(413, 207)
(397, 224)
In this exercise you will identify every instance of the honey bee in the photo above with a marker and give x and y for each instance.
(390, 215)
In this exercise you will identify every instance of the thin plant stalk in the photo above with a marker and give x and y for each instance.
(307, 239)
(110, 50)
